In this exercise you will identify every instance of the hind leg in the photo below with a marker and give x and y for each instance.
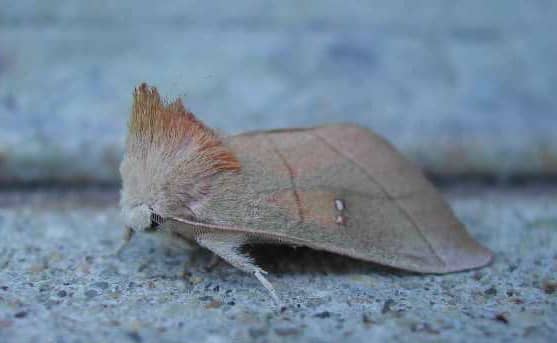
(227, 246)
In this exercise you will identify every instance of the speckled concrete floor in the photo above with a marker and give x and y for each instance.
(465, 87)
(59, 283)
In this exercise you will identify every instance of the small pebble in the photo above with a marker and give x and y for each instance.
(194, 280)
(62, 293)
(101, 285)
(134, 336)
(516, 300)
(550, 287)
(511, 293)
(21, 314)
(366, 319)
(477, 276)
(490, 291)
(37, 268)
(387, 306)
(91, 293)
(214, 304)
(324, 314)
(502, 317)
(424, 327)
(287, 331)
(257, 332)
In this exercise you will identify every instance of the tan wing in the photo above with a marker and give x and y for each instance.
(345, 190)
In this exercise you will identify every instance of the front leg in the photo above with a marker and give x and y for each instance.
(127, 236)
(215, 259)
(227, 246)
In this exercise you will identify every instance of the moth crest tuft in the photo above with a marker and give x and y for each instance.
(169, 126)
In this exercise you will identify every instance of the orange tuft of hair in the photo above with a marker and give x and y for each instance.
(155, 122)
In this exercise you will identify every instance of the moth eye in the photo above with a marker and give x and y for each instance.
(156, 220)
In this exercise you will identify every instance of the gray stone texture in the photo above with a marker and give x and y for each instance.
(462, 87)
(61, 283)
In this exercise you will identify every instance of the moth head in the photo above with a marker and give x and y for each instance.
(171, 162)
(142, 218)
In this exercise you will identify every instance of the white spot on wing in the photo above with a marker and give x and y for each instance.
(339, 204)
(340, 220)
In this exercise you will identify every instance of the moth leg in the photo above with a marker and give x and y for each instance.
(176, 245)
(227, 247)
(195, 256)
(128, 234)
(215, 259)
(185, 270)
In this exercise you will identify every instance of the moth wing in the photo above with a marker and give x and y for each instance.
(343, 189)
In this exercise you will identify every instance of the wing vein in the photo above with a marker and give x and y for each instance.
(387, 194)
(292, 180)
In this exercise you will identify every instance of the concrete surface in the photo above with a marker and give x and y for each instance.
(462, 87)
(58, 282)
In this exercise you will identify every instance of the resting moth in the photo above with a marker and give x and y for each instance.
(338, 188)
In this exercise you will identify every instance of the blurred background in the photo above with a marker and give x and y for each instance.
(464, 87)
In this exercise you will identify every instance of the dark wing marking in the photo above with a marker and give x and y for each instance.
(294, 190)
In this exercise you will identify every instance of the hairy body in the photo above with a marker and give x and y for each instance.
(338, 188)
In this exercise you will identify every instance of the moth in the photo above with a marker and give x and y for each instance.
(338, 188)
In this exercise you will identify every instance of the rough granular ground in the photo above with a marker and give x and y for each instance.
(60, 283)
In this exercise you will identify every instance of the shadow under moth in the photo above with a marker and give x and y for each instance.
(338, 188)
